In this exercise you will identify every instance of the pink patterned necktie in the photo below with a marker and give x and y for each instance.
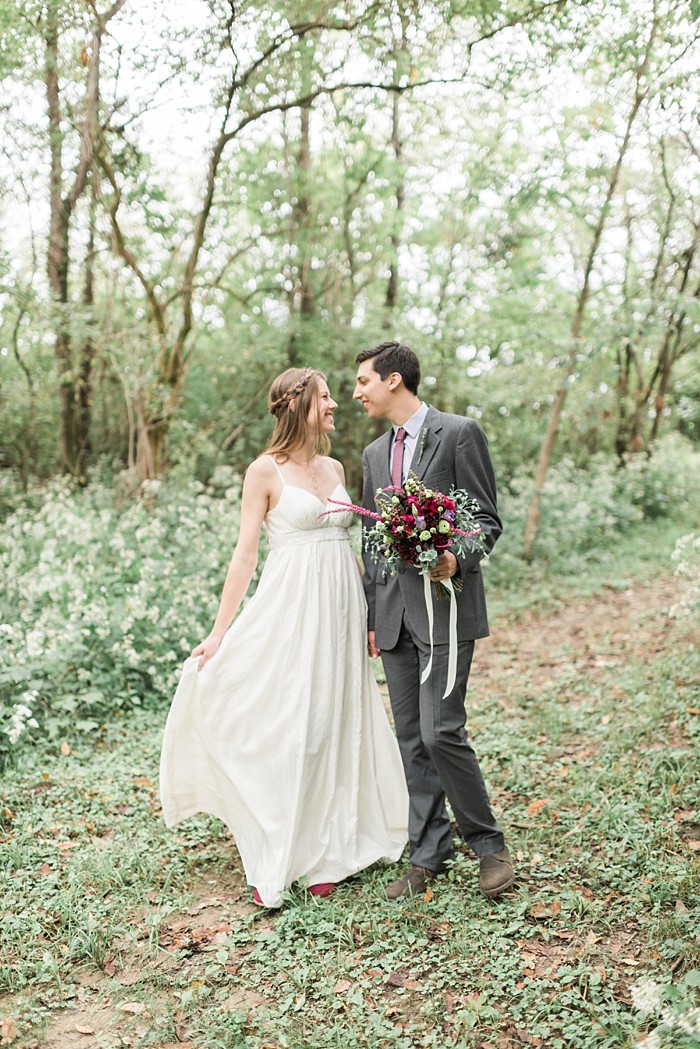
(397, 458)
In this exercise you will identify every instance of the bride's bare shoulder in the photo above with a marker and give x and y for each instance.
(262, 471)
(337, 466)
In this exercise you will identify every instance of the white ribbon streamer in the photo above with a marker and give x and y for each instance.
(429, 610)
(452, 647)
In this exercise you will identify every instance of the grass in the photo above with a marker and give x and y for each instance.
(118, 932)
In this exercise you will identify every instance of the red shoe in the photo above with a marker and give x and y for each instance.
(257, 898)
(324, 888)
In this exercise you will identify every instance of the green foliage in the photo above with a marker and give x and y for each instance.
(686, 556)
(103, 601)
(483, 197)
(588, 738)
(586, 510)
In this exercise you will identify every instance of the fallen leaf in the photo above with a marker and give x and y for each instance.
(8, 1030)
(44, 869)
(132, 1007)
(544, 910)
(143, 781)
(128, 976)
(396, 980)
(342, 986)
(536, 806)
(65, 749)
(84, 1029)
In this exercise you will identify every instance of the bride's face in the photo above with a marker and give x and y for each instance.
(320, 417)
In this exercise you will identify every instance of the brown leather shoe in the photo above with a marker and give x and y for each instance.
(414, 883)
(496, 873)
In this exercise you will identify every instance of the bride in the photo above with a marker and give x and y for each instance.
(277, 726)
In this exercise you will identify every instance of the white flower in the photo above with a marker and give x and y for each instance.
(20, 717)
(690, 1022)
(647, 997)
(652, 1041)
(36, 640)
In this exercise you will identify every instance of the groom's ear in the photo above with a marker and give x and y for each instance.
(395, 380)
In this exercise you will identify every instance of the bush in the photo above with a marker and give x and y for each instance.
(686, 557)
(586, 509)
(102, 603)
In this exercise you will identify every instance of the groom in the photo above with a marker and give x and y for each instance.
(444, 451)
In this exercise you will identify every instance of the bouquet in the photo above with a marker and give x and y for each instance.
(415, 524)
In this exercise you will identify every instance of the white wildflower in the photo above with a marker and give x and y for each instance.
(652, 1041)
(689, 1022)
(35, 641)
(20, 718)
(647, 997)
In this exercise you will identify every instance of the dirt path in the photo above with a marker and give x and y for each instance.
(596, 633)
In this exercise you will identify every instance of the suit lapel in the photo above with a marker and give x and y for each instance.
(380, 465)
(427, 444)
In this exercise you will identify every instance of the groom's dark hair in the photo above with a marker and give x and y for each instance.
(391, 357)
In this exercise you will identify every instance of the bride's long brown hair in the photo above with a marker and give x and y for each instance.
(291, 396)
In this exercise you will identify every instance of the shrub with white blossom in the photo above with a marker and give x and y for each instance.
(671, 1009)
(101, 603)
(686, 557)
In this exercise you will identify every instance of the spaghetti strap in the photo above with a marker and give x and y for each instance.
(277, 468)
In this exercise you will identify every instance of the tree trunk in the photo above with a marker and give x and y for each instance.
(72, 439)
(548, 445)
(58, 248)
(392, 288)
(87, 355)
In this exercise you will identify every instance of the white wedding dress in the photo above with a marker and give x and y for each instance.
(283, 734)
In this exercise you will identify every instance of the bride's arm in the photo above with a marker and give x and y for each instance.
(255, 502)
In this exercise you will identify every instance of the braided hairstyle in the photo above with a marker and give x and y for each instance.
(291, 396)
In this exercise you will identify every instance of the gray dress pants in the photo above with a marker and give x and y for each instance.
(437, 756)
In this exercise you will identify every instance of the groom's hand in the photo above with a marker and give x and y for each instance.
(371, 647)
(445, 567)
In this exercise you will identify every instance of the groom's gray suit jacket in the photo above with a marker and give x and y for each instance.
(451, 451)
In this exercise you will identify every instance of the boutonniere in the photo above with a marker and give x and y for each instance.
(421, 446)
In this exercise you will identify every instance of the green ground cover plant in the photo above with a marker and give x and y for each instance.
(586, 713)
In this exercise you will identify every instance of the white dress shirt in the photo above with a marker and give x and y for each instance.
(413, 427)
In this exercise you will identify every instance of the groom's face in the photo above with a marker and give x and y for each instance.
(373, 392)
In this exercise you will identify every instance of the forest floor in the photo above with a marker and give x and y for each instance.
(586, 715)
